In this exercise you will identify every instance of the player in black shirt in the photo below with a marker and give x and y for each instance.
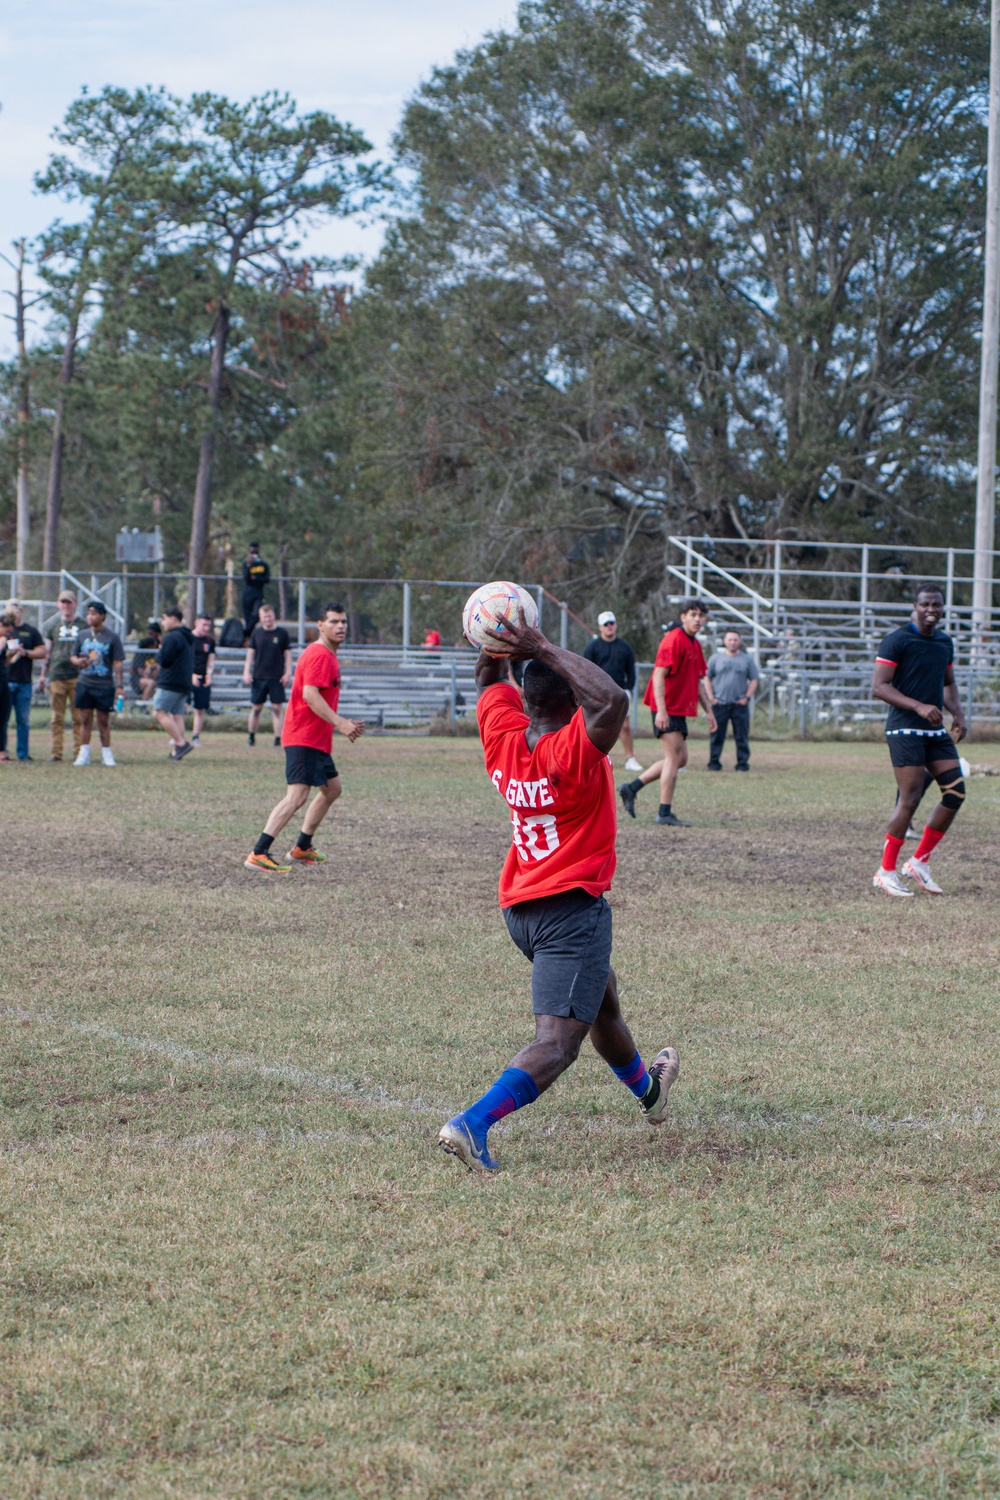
(256, 577)
(915, 676)
(616, 657)
(267, 671)
(201, 677)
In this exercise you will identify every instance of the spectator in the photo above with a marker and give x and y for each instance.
(432, 640)
(100, 660)
(6, 627)
(173, 687)
(734, 675)
(204, 662)
(616, 657)
(267, 671)
(145, 668)
(25, 646)
(256, 577)
(61, 644)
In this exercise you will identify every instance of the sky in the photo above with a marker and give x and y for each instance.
(360, 61)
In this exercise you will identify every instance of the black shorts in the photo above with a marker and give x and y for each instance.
(675, 725)
(98, 696)
(568, 940)
(263, 688)
(201, 697)
(306, 766)
(920, 749)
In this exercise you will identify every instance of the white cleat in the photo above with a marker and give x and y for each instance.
(107, 757)
(632, 764)
(663, 1073)
(889, 881)
(83, 758)
(919, 872)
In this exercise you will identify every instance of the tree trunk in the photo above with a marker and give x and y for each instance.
(23, 414)
(53, 500)
(283, 580)
(202, 507)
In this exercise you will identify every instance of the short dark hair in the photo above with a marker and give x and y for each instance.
(687, 604)
(543, 686)
(99, 605)
(332, 609)
(173, 611)
(203, 616)
(929, 588)
(732, 630)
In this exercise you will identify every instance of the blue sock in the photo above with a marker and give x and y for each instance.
(634, 1076)
(513, 1090)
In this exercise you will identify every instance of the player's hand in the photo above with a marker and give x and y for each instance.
(353, 729)
(712, 722)
(931, 713)
(284, 679)
(523, 641)
(662, 720)
(959, 728)
(246, 680)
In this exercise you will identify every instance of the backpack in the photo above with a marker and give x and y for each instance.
(232, 633)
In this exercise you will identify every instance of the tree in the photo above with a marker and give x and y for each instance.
(22, 305)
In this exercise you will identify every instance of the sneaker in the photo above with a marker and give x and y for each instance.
(633, 765)
(251, 739)
(457, 1139)
(627, 795)
(663, 1073)
(671, 819)
(196, 742)
(919, 871)
(107, 756)
(741, 768)
(307, 856)
(83, 759)
(53, 758)
(889, 881)
(912, 833)
(265, 862)
(179, 751)
(713, 766)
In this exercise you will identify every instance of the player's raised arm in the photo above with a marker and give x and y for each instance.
(604, 703)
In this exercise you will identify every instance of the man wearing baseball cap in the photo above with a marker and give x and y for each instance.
(616, 657)
(61, 640)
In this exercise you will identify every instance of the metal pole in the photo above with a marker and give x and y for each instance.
(157, 571)
(539, 595)
(949, 593)
(454, 693)
(982, 571)
(302, 611)
(776, 585)
(124, 600)
(406, 618)
(564, 627)
(864, 587)
(199, 595)
(803, 694)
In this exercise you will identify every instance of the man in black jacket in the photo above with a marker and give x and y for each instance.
(256, 577)
(173, 686)
(616, 657)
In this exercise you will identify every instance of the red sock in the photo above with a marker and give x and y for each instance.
(890, 854)
(929, 841)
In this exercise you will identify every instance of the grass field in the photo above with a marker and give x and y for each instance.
(234, 1263)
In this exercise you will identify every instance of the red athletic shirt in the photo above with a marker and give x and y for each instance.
(561, 797)
(684, 660)
(316, 667)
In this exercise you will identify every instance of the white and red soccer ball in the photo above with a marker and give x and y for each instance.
(493, 606)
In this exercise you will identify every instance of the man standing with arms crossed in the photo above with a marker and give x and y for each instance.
(679, 680)
(61, 644)
(308, 740)
(616, 657)
(267, 672)
(734, 675)
(551, 768)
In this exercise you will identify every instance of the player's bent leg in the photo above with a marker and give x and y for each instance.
(260, 857)
(613, 1041)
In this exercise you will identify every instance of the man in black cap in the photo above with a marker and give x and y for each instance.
(256, 577)
(616, 657)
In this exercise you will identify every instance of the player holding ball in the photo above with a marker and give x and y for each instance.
(551, 767)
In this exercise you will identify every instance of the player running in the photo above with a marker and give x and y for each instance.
(551, 767)
(914, 675)
(307, 736)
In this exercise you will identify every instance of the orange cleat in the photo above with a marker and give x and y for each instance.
(265, 862)
(307, 856)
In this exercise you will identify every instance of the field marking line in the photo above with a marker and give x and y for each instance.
(178, 1052)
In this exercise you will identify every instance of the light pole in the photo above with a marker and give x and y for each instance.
(982, 572)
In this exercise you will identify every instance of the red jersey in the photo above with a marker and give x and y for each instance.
(316, 667)
(561, 797)
(684, 660)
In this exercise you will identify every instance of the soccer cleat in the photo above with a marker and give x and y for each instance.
(307, 856)
(265, 862)
(83, 759)
(919, 871)
(663, 1073)
(632, 764)
(889, 881)
(672, 819)
(627, 795)
(912, 833)
(107, 756)
(251, 739)
(457, 1139)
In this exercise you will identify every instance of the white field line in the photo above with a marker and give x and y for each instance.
(184, 1056)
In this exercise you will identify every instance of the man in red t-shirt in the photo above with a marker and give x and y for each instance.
(307, 735)
(679, 680)
(551, 767)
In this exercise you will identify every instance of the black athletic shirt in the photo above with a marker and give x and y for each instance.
(269, 647)
(204, 647)
(614, 657)
(921, 662)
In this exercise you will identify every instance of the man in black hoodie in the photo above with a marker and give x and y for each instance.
(173, 686)
(256, 577)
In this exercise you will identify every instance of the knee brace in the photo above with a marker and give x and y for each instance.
(952, 792)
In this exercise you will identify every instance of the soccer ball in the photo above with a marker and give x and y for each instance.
(490, 608)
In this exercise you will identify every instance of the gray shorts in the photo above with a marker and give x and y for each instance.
(168, 702)
(568, 940)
